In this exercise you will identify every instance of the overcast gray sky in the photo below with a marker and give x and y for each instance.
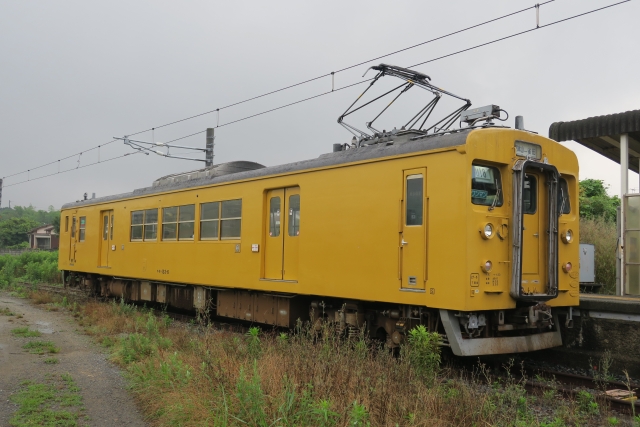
(75, 73)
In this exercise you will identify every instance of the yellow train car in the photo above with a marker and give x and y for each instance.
(473, 233)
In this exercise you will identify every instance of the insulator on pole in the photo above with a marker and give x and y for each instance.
(209, 147)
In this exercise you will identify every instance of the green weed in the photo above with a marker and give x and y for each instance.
(253, 341)
(51, 361)
(586, 403)
(41, 347)
(359, 417)
(25, 332)
(6, 312)
(40, 404)
(423, 351)
(251, 399)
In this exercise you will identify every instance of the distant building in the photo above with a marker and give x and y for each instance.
(43, 237)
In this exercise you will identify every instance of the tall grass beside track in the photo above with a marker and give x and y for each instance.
(195, 375)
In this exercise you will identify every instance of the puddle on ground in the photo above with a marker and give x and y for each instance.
(44, 327)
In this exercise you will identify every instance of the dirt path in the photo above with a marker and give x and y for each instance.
(106, 402)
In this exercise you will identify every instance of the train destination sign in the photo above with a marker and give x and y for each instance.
(528, 150)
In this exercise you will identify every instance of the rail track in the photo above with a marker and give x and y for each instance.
(620, 396)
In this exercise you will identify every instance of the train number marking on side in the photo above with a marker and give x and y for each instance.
(475, 279)
(432, 291)
(161, 271)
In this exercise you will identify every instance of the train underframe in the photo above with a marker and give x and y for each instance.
(522, 329)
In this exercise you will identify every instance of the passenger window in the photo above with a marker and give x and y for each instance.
(111, 227)
(83, 223)
(170, 223)
(73, 227)
(105, 228)
(486, 186)
(209, 220)
(144, 225)
(137, 224)
(294, 215)
(529, 195)
(274, 217)
(151, 224)
(178, 222)
(564, 203)
(186, 222)
(66, 224)
(230, 219)
(414, 200)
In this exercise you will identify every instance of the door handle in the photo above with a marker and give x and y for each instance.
(403, 242)
(535, 234)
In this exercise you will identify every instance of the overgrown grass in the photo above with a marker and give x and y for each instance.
(41, 347)
(25, 332)
(603, 236)
(196, 375)
(33, 267)
(54, 403)
(6, 312)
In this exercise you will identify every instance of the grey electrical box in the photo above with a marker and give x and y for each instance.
(480, 113)
(587, 264)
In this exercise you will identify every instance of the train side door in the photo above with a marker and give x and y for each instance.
(291, 233)
(274, 243)
(73, 239)
(413, 250)
(282, 234)
(106, 237)
(534, 234)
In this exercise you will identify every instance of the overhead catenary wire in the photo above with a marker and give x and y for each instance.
(332, 74)
(324, 93)
(71, 169)
(421, 63)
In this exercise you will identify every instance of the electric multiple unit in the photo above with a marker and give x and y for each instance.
(471, 232)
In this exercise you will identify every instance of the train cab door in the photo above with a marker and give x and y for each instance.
(106, 237)
(534, 233)
(73, 238)
(282, 234)
(413, 236)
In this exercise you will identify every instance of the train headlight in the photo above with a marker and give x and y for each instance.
(567, 236)
(487, 266)
(487, 231)
(566, 267)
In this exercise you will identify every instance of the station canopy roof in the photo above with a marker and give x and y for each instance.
(602, 134)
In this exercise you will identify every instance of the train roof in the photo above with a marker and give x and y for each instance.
(402, 143)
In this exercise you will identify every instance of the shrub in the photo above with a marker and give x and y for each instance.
(33, 267)
(603, 235)
(423, 351)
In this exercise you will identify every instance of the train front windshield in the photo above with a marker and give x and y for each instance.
(486, 186)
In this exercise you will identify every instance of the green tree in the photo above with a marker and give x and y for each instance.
(14, 231)
(595, 202)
